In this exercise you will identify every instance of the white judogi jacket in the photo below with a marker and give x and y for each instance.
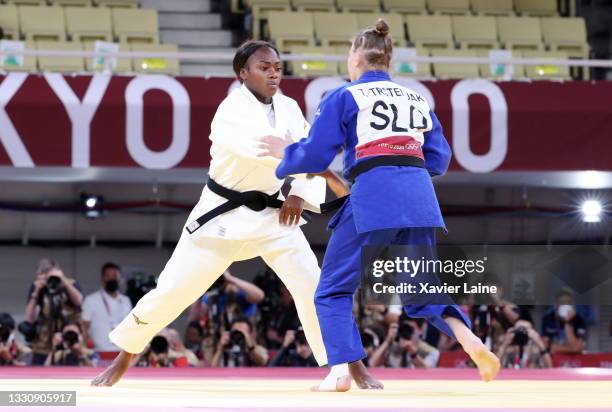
(239, 122)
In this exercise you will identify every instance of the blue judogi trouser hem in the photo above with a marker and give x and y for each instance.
(340, 278)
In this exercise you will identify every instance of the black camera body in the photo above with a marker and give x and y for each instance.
(53, 285)
(521, 337)
(159, 345)
(405, 331)
(70, 338)
(237, 339)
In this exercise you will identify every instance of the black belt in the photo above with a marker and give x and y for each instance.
(368, 165)
(252, 199)
(258, 201)
(377, 161)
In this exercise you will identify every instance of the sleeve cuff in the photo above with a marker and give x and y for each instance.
(312, 190)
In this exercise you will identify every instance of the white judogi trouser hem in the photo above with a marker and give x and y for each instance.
(197, 262)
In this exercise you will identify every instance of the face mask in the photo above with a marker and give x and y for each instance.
(111, 286)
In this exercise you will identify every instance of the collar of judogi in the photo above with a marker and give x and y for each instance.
(372, 75)
(252, 96)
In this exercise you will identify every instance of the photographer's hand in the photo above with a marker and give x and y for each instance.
(253, 293)
(223, 342)
(392, 333)
(243, 328)
(75, 296)
(57, 340)
(289, 338)
(5, 353)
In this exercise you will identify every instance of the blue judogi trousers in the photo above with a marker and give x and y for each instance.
(340, 278)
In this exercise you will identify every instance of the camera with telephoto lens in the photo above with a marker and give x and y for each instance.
(521, 337)
(405, 331)
(7, 324)
(237, 339)
(159, 345)
(69, 338)
(53, 285)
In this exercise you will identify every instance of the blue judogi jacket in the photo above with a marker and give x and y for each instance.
(374, 116)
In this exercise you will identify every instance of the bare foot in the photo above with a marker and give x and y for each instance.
(362, 377)
(115, 371)
(487, 363)
(343, 384)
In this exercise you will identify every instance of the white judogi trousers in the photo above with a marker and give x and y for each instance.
(198, 261)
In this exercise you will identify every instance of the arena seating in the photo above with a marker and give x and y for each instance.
(449, 6)
(428, 25)
(493, 7)
(404, 6)
(76, 25)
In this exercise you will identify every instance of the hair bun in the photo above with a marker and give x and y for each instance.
(382, 27)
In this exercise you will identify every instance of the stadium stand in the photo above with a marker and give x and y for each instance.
(60, 64)
(416, 70)
(566, 34)
(260, 10)
(473, 32)
(359, 6)
(315, 5)
(537, 7)
(520, 33)
(42, 23)
(9, 21)
(29, 62)
(123, 65)
(156, 65)
(89, 23)
(431, 32)
(117, 3)
(396, 22)
(291, 29)
(405, 6)
(449, 6)
(308, 68)
(550, 72)
(71, 3)
(455, 71)
(493, 7)
(135, 25)
(27, 2)
(334, 29)
(501, 73)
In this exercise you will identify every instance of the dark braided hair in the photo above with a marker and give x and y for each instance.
(246, 50)
(376, 44)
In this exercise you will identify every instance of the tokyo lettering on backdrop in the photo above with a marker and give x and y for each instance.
(161, 122)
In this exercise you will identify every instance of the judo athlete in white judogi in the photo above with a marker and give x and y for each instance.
(221, 231)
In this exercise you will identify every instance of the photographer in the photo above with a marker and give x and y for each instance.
(157, 355)
(179, 354)
(228, 297)
(12, 353)
(295, 351)
(563, 329)
(69, 349)
(404, 348)
(237, 347)
(523, 347)
(53, 301)
(277, 318)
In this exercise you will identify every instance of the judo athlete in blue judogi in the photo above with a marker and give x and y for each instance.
(393, 145)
